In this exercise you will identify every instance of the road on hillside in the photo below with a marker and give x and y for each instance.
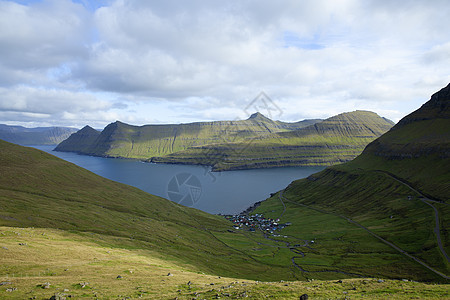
(297, 251)
(284, 199)
(427, 201)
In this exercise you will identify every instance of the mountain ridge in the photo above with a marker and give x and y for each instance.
(187, 143)
(332, 141)
(35, 136)
(119, 139)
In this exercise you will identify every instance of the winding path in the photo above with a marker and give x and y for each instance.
(283, 199)
(297, 251)
(427, 201)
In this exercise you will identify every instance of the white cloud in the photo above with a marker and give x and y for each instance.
(196, 60)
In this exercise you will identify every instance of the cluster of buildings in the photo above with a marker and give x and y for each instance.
(256, 221)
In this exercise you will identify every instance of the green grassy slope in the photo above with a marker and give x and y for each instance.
(77, 267)
(35, 136)
(143, 142)
(40, 190)
(383, 191)
(332, 141)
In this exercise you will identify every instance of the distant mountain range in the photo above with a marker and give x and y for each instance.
(257, 142)
(35, 136)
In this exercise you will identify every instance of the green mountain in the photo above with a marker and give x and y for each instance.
(143, 142)
(79, 140)
(257, 142)
(395, 194)
(35, 136)
(332, 141)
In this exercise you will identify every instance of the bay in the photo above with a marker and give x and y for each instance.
(227, 192)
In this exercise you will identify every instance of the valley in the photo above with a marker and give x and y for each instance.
(374, 226)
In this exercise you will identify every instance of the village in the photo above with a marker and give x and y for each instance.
(256, 221)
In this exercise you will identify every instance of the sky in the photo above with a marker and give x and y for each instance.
(77, 63)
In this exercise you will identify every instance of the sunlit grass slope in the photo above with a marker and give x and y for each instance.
(45, 263)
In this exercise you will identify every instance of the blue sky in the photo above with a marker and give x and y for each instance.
(72, 63)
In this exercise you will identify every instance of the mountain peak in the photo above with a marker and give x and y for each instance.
(437, 107)
(87, 128)
(258, 116)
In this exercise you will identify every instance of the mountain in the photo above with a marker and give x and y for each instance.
(257, 142)
(35, 136)
(79, 140)
(334, 140)
(143, 142)
(395, 195)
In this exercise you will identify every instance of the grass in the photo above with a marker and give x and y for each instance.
(340, 246)
(43, 191)
(79, 266)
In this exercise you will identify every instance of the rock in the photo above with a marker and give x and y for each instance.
(58, 297)
(5, 248)
(380, 280)
(170, 274)
(22, 244)
(119, 277)
(189, 282)
(339, 281)
(304, 297)
(45, 285)
(5, 283)
(11, 289)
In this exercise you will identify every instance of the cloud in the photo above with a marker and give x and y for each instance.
(43, 34)
(196, 60)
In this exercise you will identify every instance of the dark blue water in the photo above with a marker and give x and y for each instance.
(214, 192)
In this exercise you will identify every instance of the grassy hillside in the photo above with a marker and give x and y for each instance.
(35, 136)
(43, 191)
(396, 191)
(77, 266)
(143, 142)
(332, 141)
(40, 190)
